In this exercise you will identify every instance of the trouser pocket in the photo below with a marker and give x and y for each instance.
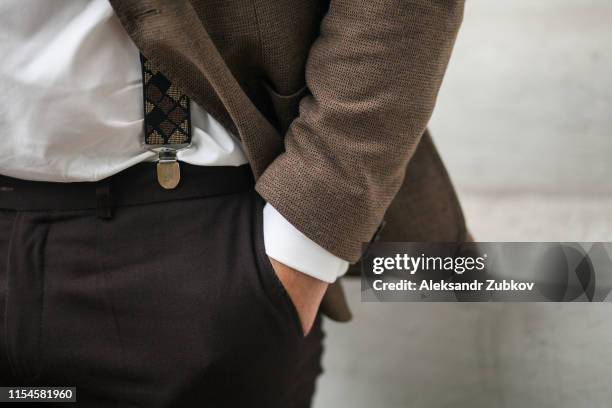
(271, 282)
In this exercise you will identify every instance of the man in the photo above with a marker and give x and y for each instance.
(280, 133)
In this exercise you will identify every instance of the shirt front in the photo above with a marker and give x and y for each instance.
(73, 79)
(71, 83)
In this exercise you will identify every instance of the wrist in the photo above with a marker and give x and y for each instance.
(305, 291)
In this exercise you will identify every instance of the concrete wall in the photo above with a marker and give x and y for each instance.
(524, 123)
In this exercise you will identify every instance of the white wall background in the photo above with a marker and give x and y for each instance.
(524, 123)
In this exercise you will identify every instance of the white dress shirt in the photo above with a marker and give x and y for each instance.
(71, 87)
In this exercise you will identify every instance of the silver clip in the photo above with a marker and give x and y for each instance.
(168, 169)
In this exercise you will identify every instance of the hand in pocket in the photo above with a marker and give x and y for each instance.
(305, 292)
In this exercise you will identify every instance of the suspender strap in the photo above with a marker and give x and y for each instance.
(167, 122)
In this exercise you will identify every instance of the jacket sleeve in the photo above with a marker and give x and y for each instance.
(374, 73)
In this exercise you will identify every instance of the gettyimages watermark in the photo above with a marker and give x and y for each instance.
(487, 271)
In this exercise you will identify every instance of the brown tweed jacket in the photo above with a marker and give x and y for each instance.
(331, 100)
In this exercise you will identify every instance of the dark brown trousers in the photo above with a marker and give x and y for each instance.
(142, 297)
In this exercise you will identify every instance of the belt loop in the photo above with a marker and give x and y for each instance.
(103, 201)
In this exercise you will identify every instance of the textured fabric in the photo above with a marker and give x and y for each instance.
(150, 308)
(369, 106)
(167, 119)
(330, 99)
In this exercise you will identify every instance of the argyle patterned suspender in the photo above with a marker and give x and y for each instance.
(167, 122)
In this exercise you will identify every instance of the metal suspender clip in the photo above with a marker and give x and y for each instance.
(168, 168)
(167, 122)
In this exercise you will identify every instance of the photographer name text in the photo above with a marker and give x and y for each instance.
(441, 285)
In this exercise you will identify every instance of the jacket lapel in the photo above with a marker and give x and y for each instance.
(171, 36)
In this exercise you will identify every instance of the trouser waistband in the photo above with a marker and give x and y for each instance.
(133, 186)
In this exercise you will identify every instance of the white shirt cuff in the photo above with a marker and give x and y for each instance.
(288, 245)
